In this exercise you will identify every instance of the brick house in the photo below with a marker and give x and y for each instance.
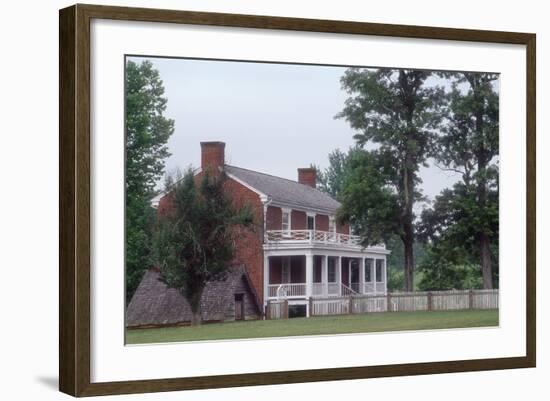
(298, 250)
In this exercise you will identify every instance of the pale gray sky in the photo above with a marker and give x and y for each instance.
(273, 118)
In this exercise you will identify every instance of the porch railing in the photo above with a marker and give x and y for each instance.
(326, 289)
(369, 287)
(314, 236)
(287, 290)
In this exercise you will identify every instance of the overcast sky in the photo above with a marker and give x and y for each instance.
(274, 118)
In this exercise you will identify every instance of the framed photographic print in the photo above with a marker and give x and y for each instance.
(250, 200)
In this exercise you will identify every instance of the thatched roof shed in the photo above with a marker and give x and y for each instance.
(154, 304)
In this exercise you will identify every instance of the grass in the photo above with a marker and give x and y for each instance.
(375, 322)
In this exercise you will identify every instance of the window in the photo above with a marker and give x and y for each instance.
(331, 225)
(379, 270)
(311, 222)
(368, 269)
(286, 220)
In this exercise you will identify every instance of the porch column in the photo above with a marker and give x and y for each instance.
(386, 276)
(339, 275)
(309, 279)
(375, 275)
(324, 274)
(362, 275)
(266, 278)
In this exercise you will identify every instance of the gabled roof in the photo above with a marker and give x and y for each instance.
(154, 304)
(285, 192)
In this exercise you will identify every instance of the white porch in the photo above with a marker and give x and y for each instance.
(298, 275)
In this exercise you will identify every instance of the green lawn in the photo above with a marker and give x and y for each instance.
(375, 322)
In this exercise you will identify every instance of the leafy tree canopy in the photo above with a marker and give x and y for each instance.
(399, 113)
(462, 225)
(147, 133)
(195, 242)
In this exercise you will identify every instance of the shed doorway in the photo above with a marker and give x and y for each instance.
(239, 307)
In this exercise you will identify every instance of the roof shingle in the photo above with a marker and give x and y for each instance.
(284, 191)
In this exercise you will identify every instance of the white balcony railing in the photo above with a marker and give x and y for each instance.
(313, 236)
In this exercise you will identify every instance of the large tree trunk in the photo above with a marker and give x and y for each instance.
(484, 242)
(196, 319)
(407, 223)
(194, 297)
(486, 266)
(483, 237)
(408, 241)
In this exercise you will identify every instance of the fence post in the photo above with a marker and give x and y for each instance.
(310, 306)
(267, 311)
(388, 302)
(471, 299)
(430, 300)
(350, 308)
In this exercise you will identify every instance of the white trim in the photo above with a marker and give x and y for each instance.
(332, 218)
(333, 250)
(314, 216)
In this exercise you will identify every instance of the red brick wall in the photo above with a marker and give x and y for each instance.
(274, 218)
(307, 176)
(321, 222)
(298, 220)
(165, 204)
(212, 156)
(342, 229)
(248, 245)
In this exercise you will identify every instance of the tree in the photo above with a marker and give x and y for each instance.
(331, 180)
(394, 264)
(195, 241)
(147, 132)
(368, 199)
(449, 229)
(469, 146)
(399, 112)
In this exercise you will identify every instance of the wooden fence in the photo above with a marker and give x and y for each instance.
(392, 302)
(277, 310)
(406, 302)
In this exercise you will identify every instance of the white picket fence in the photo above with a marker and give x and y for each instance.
(405, 302)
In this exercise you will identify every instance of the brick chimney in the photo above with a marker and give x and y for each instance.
(307, 176)
(212, 156)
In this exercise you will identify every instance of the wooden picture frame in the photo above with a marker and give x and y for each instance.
(74, 203)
